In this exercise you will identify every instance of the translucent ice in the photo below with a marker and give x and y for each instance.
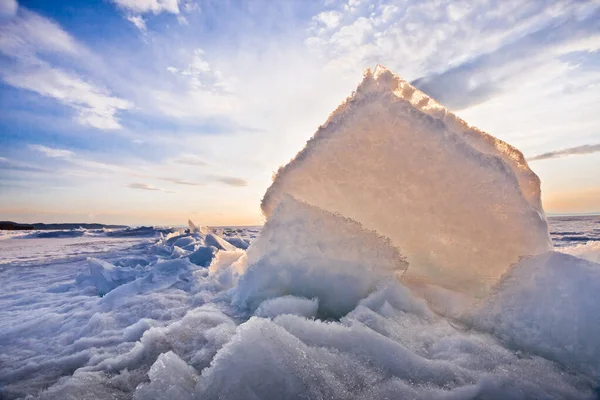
(461, 205)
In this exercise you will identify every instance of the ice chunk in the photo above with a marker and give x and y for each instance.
(106, 276)
(170, 378)
(307, 252)
(221, 244)
(589, 251)
(549, 305)
(288, 305)
(460, 204)
(203, 256)
(238, 242)
(185, 242)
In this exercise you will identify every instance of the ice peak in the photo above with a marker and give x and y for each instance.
(379, 70)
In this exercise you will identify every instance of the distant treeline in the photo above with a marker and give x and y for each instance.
(15, 226)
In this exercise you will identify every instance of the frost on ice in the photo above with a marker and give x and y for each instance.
(461, 205)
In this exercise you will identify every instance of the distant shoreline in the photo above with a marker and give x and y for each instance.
(15, 226)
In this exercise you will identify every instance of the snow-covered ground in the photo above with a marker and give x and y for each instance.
(114, 317)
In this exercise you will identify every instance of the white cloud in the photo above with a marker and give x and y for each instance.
(52, 152)
(231, 181)
(417, 37)
(330, 19)
(94, 106)
(204, 90)
(8, 8)
(138, 21)
(180, 181)
(145, 6)
(190, 160)
(145, 186)
(182, 20)
(29, 37)
(29, 33)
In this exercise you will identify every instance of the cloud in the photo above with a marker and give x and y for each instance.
(585, 149)
(8, 8)
(481, 78)
(190, 160)
(145, 186)
(52, 152)
(28, 37)
(202, 90)
(94, 106)
(201, 75)
(6, 164)
(138, 21)
(330, 19)
(463, 53)
(153, 6)
(231, 181)
(180, 182)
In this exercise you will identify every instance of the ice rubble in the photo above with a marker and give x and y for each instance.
(459, 204)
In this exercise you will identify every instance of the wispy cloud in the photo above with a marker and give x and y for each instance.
(6, 164)
(181, 182)
(8, 8)
(585, 149)
(231, 181)
(146, 186)
(203, 90)
(154, 6)
(52, 152)
(190, 160)
(138, 21)
(26, 39)
(477, 51)
(489, 74)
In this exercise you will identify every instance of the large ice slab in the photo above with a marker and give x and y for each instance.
(461, 205)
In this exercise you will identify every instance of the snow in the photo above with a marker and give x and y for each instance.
(548, 305)
(461, 205)
(271, 308)
(174, 331)
(405, 255)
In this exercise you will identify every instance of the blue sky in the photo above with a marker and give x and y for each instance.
(153, 111)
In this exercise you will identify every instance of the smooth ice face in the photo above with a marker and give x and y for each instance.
(461, 205)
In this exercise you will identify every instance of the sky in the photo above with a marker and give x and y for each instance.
(156, 111)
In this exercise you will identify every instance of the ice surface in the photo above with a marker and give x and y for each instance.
(589, 251)
(548, 305)
(461, 205)
(173, 331)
